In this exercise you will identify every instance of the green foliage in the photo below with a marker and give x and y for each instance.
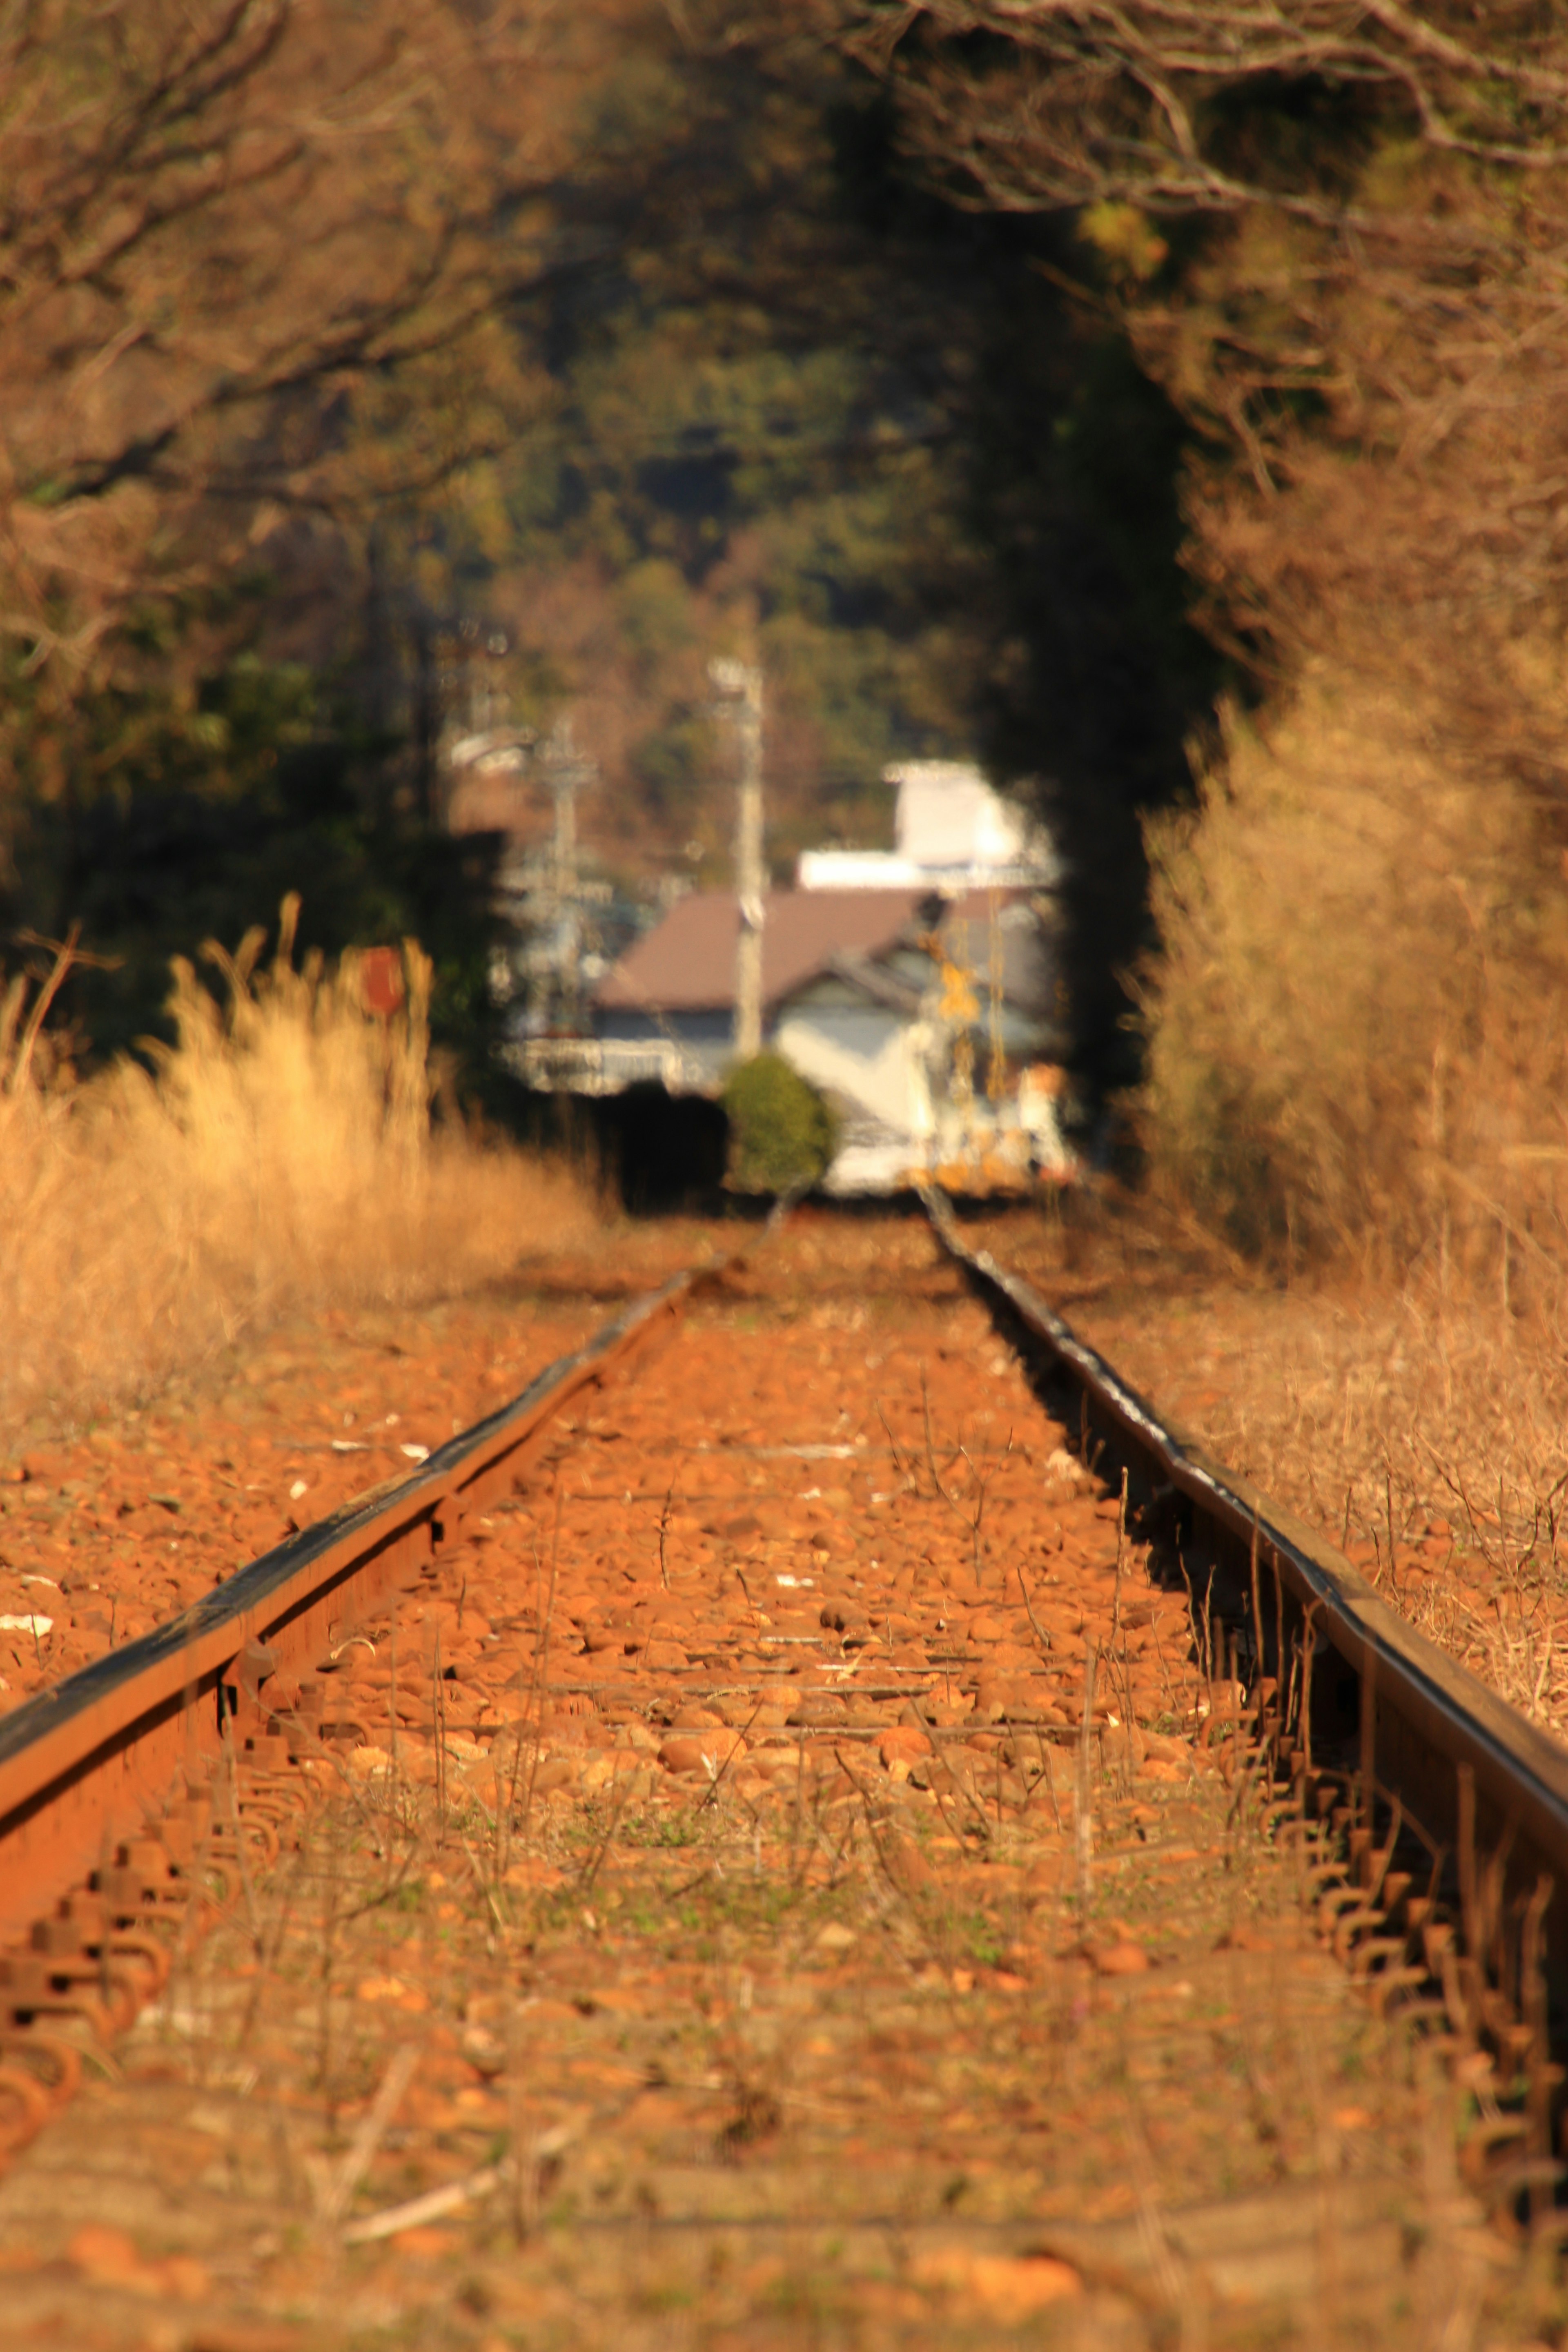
(782, 1133)
(745, 449)
(164, 812)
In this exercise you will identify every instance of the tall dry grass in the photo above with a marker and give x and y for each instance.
(279, 1155)
(1357, 1020)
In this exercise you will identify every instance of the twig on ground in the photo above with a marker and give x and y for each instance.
(428, 2207)
(905, 1473)
(937, 1486)
(588, 1875)
(663, 1530)
(1083, 1824)
(361, 2154)
(710, 1794)
(1041, 1636)
(541, 1662)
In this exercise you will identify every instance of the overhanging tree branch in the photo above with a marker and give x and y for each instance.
(215, 212)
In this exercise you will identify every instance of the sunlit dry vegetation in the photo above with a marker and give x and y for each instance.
(1431, 1444)
(280, 1154)
(1356, 1024)
(1423, 1434)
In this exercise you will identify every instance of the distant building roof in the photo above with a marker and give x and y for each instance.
(687, 963)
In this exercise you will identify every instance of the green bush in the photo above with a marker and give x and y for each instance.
(782, 1133)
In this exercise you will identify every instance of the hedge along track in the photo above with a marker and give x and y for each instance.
(150, 1783)
(1445, 1812)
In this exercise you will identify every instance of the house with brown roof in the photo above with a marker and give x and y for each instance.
(917, 1015)
(916, 987)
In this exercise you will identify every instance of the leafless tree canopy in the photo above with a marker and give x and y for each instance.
(1336, 236)
(1068, 101)
(222, 222)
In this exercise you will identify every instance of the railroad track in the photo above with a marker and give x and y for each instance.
(154, 1784)
(1451, 1800)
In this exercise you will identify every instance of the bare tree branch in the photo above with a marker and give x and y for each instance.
(217, 218)
(1366, 320)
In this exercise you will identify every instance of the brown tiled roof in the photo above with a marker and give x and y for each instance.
(687, 963)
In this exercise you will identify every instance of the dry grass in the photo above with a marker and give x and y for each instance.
(280, 1156)
(1358, 1019)
(1357, 1071)
(1427, 1436)
(1434, 1445)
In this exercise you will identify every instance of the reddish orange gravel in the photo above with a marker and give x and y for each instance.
(879, 1541)
(104, 1534)
(717, 1929)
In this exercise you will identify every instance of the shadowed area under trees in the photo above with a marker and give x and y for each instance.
(814, 406)
(1334, 239)
(254, 260)
(1002, 379)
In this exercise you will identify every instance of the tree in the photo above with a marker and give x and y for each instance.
(1331, 234)
(624, 329)
(748, 445)
(806, 403)
(1157, 103)
(1334, 238)
(255, 262)
(783, 1135)
(225, 227)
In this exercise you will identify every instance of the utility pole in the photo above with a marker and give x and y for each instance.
(740, 683)
(566, 770)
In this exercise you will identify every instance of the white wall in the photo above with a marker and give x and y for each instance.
(948, 815)
(870, 1054)
(857, 869)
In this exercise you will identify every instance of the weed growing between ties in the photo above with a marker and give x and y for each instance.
(281, 1152)
(641, 2070)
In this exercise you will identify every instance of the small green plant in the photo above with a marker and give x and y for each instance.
(782, 1133)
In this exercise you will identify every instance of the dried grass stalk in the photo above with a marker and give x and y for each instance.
(1357, 1023)
(280, 1152)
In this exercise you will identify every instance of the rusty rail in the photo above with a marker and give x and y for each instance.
(1353, 1698)
(85, 1765)
(1419, 1739)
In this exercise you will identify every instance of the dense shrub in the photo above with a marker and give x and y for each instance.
(1357, 1023)
(782, 1133)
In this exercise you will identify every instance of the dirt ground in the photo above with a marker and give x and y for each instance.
(788, 1883)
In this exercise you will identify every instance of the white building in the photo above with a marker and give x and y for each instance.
(951, 831)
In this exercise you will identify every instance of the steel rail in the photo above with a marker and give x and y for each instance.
(91, 1761)
(1412, 1724)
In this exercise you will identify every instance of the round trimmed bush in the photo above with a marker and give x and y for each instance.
(782, 1133)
